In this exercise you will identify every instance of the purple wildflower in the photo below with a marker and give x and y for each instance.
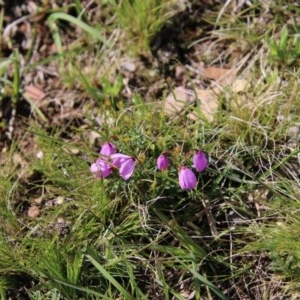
(100, 169)
(127, 168)
(163, 162)
(200, 161)
(187, 179)
(125, 163)
(108, 149)
(119, 158)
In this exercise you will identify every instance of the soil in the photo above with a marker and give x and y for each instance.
(174, 60)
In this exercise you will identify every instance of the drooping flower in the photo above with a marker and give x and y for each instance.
(101, 168)
(119, 158)
(200, 161)
(187, 178)
(108, 149)
(125, 163)
(163, 162)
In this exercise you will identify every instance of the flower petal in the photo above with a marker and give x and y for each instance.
(127, 168)
(108, 149)
(94, 168)
(118, 159)
(100, 169)
(103, 173)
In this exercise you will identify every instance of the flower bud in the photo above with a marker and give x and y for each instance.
(187, 179)
(200, 161)
(163, 162)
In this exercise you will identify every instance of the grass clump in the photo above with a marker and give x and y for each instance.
(89, 234)
(142, 21)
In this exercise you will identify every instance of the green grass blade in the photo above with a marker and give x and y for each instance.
(85, 290)
(204, 280)
(113, 281)
(62, 16)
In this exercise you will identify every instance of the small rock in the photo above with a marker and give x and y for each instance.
(209, 103)
(38, 200)
(128, 66)
(33, 211)
(93, 135)
(40, 155)
(239, 85)
(178, 99)
(74, 151)
(293, 132)
(59, 200)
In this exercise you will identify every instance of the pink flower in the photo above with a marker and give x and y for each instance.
(119, 158)
(187, 179)
(100, 169)
(163, 162)
(127, 168)
(108, 149)
(125, 163)
(200, 161)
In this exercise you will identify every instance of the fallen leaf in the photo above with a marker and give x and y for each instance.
(179, 72)
(208, 103)
(34, 93)
(178, 99)
(222, 75)
(33, 211)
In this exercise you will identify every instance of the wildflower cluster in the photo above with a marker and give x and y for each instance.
(110, 160)
(187, 178)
